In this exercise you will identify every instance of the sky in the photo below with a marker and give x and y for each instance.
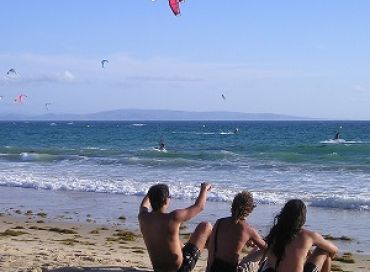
(301, 58)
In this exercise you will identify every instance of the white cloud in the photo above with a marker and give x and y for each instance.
(67, 76)
(360, 88)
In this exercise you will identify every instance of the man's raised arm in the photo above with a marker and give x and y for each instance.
(188, 213)
(144, 206)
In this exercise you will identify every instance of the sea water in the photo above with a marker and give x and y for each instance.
(276, 160)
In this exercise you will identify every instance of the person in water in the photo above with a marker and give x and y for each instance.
(161, 230)
(337, 136)
(161, 145)
(289, 243)
(231, 234)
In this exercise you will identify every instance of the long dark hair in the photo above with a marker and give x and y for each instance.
(287, 224)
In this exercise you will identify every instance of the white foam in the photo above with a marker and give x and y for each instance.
(340, 141)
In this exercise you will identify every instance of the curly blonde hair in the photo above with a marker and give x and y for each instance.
(242, 206)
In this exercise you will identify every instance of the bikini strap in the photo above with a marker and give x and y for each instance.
(216, 234)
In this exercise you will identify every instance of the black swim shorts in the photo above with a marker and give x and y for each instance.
(310, 267)
(191, 255)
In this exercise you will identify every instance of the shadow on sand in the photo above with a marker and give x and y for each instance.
(97, 269)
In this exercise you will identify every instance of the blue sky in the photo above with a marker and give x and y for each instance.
(303, 58)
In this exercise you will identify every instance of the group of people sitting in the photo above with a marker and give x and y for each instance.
(287, 248)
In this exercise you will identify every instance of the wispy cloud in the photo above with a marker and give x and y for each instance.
(64, 77)
(125, 68)
(360, 88)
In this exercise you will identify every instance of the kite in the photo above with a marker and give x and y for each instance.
(20, 98)
(175, 6)
(11, 72)
(47, 106)
(103, 62)
(1, 97)
(223, 97)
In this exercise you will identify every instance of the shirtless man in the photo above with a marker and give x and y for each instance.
(289, 244)
(161, 230)
(231, 234)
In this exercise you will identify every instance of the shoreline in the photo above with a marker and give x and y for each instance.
(36, 243)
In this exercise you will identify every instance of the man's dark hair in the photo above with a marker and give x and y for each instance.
(158, 195)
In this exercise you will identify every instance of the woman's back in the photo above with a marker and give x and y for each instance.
(295, 254)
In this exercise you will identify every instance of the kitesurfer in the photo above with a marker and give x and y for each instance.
(161, 145)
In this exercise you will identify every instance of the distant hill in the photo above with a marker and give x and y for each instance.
(148, 115)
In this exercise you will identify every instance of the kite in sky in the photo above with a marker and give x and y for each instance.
(223, 97)
(11, 72)
(20, 98)
(47, 106)
(175, 6)
(1, 97)
(103, 62)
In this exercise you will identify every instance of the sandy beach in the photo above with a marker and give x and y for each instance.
(30, 241)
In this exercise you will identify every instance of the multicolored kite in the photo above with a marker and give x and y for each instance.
(20, 98)
(175, 6)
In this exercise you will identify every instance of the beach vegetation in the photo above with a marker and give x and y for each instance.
(10, 232)
(340, 238)
(29, 212)
(36, 228)
(186, 236)
(42, 214)
(18, 227)
(344, 259)
(63, 231)
(335, 268)
(183, 227)
(122, 217)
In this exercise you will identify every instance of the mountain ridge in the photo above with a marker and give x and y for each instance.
(154, 115)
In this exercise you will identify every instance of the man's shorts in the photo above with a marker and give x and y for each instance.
(191, 255)
(310, 267)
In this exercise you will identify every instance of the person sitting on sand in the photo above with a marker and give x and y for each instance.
(161, 230)
(289, 243)
(231, 234)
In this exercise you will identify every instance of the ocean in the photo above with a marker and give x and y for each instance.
(276, 160)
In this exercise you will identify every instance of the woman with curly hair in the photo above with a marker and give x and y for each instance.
(231, 234)
(289, 244)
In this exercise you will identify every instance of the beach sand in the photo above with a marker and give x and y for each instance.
(32, 242)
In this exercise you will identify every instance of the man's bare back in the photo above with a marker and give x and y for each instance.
(161, 231)
(161, 236)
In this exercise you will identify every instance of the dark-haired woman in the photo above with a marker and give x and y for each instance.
(289, 244)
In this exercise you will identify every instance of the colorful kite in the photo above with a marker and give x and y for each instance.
(175, 6)
(20, 98)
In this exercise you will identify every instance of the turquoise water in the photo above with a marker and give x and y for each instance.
(275, 160)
